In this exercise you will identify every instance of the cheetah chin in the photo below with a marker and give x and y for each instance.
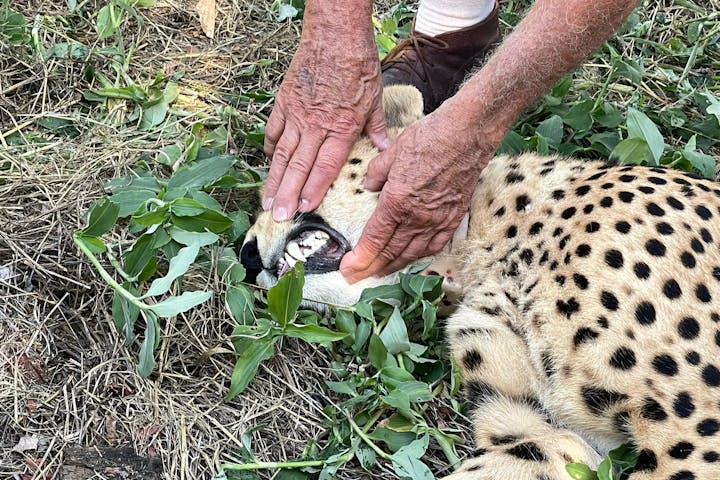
(589, 313)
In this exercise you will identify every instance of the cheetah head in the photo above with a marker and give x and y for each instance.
(320, 238)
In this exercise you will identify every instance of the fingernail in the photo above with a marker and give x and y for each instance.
(280, 214)
(304, 205)
(267, 203)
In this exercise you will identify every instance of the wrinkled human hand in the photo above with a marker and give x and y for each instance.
(427, 182)
(330, 94)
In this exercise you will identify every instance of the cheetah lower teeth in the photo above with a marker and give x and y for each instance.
(293, 249)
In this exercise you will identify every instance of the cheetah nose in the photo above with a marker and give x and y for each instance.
(250, 259)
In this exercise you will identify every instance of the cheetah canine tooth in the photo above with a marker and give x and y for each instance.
(293, 249)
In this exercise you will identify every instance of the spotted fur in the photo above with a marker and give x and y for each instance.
(590, 314)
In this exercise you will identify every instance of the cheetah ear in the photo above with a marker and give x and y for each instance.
(403, 105)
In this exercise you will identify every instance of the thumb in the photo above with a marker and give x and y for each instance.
(377, 172)
(376, 129)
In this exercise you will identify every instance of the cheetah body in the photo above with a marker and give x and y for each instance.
(589, 315)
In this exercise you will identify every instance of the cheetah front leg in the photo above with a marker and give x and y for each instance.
(515, 438)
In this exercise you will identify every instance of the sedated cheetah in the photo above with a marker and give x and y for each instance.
(590, 312)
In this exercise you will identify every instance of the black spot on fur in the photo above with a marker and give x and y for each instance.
(708, 427)
(657, 180)
(606, 202)
(581, 281)
(503, 440)
(664, 228)
(355, 161)
(500, 212)
(592, 227)
(703, 212)
(711, 375)
(569, 307)
(655, 210)
(609, 300)
(655, 247)
(642, 270)
(568, 212)
(646, 190)
(558, 195)
(583, 250)
(646, 461)
(675, 203)
(688, 260)
(671, 289)
(665, 364)
(683, 475)
(688, 328)
(702, 293)
(711, 457)
(583, 335)
(652, 410)
(706, 235)
(479, 392)
(528, 451)
(681, 450)
(622, 227)
(697, 246)
(535, 228)
(511, 232)
(623, 359)
(645, 313)
(614, 258)
(683, 405)
(693, 358)
(472, 359)
(598, 400)
(582, 190)
(626, 197)
(514, 177)
(521, 202)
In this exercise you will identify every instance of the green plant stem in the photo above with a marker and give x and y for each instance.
(367, 439)
(118, 268)
(107, 277)
(278, 465)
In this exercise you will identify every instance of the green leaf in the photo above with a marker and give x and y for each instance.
(125, 314)
(713, 107)
(342, 387)
(154, 113)
(248, 362)
(179, 265)
(366, 456)
(313, 333)
(579, 116)
(630, 150)
(609, 116)
(147, 349)
(240, 226)
(513, 143)
(187, 207)
(394, 440)
(397, 400)
(169, 155)
(552, 130)
(140, 254)
(208, 220)
(130, 199)
(108, 21)
(68, 50)
(184, 237)
(103, 215)
(377, 353)
(285, 297)
(406, 461)
(579, 471)
(240, 302)
(416, 391)
(94, 244)
(172, 306)
(152, 217)
(395, 335)
(702, 162)
(206, 200)
(640, 126)
(630, 69)
(392, 377)
(201, 173)
(132, 92)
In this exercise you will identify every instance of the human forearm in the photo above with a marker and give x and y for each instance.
(348, 23)
(553, 38)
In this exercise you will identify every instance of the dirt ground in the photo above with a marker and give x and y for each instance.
(71, 404)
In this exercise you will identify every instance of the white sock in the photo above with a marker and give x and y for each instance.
(435, 17)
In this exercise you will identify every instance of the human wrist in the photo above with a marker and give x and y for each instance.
(346, 25)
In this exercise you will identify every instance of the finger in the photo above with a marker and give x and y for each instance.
(378, 171)
(415, 249)
(376, 235)
(302, 162)
(330, 159)
(376, 129)
(273, 130)
(278, 164)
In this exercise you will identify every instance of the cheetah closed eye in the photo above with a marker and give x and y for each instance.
(597, 285)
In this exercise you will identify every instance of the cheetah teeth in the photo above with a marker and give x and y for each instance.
(295, 252)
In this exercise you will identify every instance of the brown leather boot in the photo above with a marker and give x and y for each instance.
(438, 65)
